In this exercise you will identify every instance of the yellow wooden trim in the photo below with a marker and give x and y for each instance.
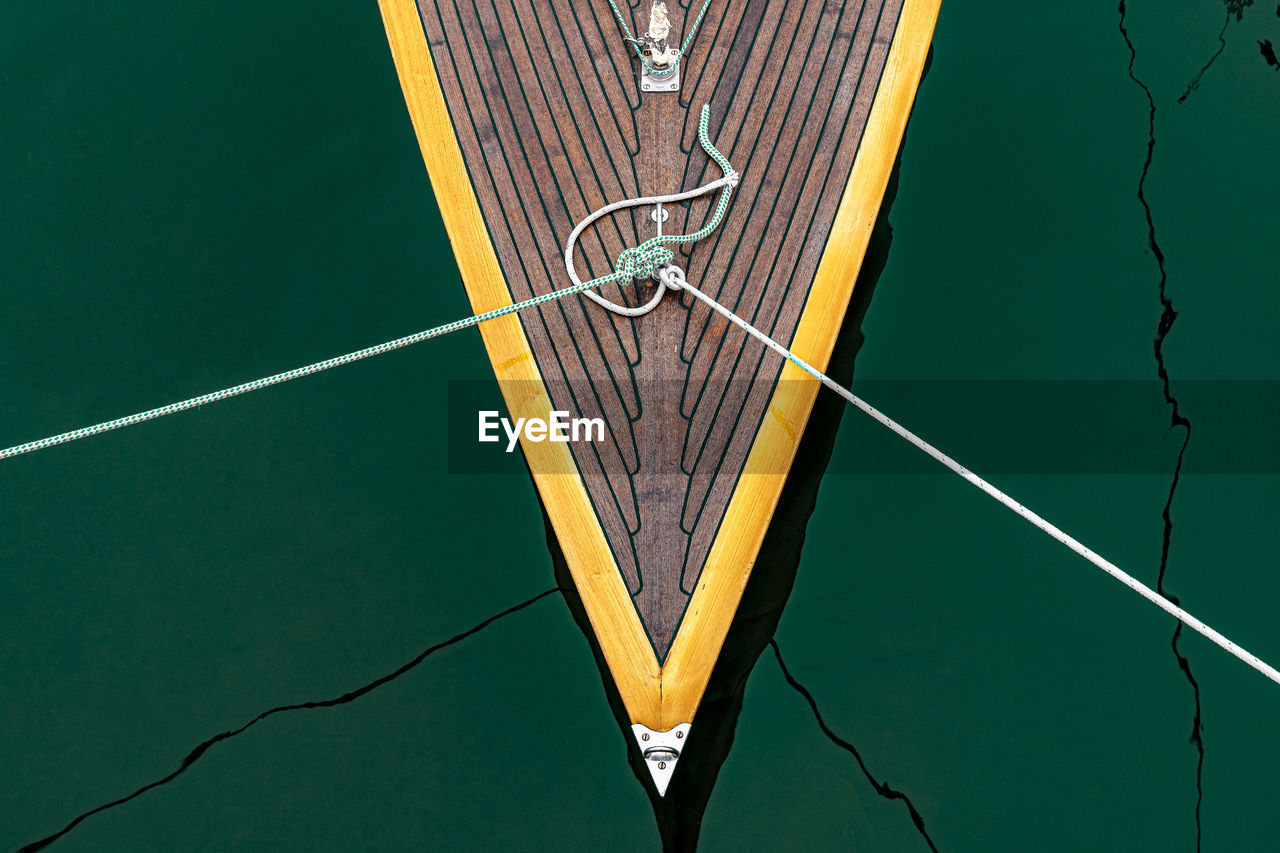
(661, 697)
(724, 576)
(609, 606)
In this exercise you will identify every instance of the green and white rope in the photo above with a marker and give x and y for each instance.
(637, 262)
(278, 378)
(684, 46)
(645, 260)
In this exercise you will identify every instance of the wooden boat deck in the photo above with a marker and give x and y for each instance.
(545, 104)
(530, 117)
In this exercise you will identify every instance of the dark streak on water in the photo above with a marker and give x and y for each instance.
(1222, 45)
(884, 789)
(1269, 52)
(1235, 8)
(351, 696)
(1168, 316)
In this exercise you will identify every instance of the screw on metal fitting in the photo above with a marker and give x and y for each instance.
(661, 751)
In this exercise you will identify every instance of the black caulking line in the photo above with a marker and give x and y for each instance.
(1236, 8)
(200, 750)
(881, 788)
(1168, 316)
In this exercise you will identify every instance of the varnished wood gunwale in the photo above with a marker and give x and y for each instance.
(706, 623)
(622, 638)
(662, 696)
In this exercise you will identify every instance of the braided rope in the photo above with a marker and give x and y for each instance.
(637, 262)
(644, 261)
(277, 378)
(630, 38)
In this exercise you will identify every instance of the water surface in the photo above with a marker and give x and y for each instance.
(201, 194)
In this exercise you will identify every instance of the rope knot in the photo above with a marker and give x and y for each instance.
(642, 261)
(672, 277)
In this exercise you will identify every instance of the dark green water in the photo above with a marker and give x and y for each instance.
(196, 195)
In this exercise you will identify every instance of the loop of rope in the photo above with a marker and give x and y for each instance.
(644, 261)
(630, 39)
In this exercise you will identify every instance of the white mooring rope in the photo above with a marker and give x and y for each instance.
(674, 279)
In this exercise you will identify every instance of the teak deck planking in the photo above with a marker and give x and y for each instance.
(534, 121)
